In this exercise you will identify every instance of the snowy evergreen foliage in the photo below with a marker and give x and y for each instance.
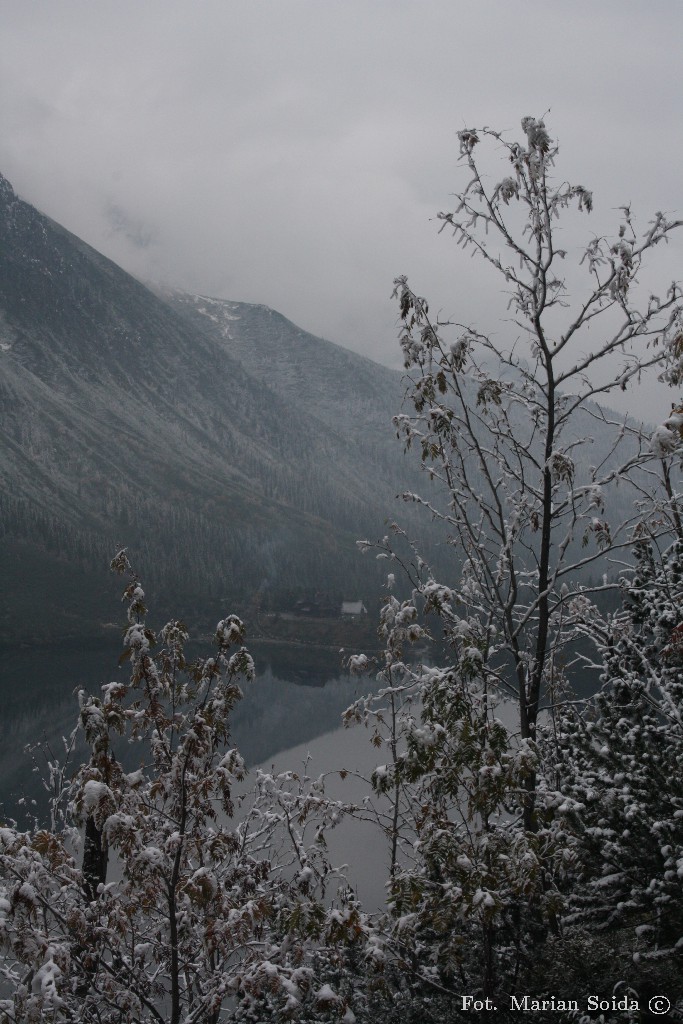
(622, 758)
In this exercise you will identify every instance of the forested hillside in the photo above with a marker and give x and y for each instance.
(128, 421)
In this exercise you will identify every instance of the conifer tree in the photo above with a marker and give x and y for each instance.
(622, 768)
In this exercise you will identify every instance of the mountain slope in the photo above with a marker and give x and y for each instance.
(302, 368)
(126, 419)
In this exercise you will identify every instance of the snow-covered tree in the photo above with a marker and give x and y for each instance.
(178, 907)
(470, 893)
(622, 767)
(505, 430)
(535, 483)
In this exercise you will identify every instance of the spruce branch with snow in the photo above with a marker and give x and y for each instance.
(621, 756)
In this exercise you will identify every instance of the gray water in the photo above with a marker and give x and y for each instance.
(289, 719)
(298, 695)
(290, 715)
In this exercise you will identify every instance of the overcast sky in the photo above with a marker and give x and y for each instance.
(293, 152)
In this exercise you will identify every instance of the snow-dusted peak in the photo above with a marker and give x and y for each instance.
(6, 190)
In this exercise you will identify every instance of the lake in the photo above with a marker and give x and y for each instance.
(299, 694)
(291, 711)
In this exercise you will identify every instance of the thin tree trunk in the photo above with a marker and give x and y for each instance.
(95, 859)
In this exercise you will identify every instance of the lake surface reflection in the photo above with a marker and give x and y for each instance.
(298, 695)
